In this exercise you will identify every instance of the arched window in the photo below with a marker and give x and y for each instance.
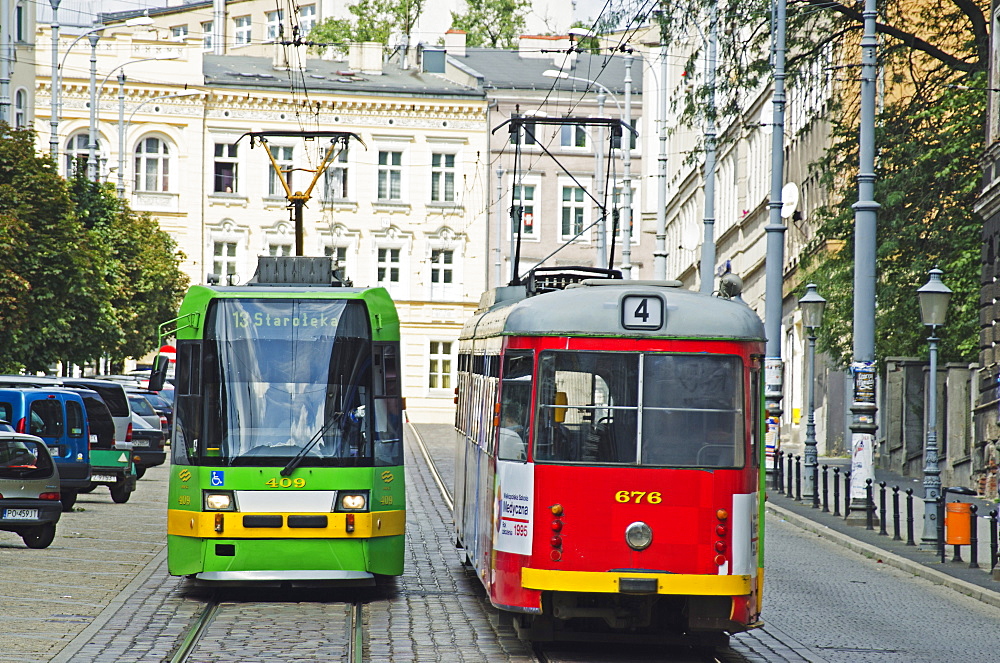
(20, 109)
(77, 153)
(152, 165)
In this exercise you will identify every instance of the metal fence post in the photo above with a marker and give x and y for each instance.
(869, 506)
(909, 518)
(798, 478)
(973, 537)
(885, 515)
(790, 493)
(836, 491)
(993, 540)
(826, 506)
(895, 514)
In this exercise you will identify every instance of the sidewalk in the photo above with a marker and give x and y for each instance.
(917, 559)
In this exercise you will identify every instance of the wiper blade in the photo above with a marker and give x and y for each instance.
(297, 458)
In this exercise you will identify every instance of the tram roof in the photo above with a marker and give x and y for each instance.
(594, 308)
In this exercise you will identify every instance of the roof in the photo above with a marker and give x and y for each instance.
(508, 69)
(596, 310)
(243, 71)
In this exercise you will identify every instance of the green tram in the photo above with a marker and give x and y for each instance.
(287, 460)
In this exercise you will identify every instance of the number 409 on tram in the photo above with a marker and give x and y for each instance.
(609, 457)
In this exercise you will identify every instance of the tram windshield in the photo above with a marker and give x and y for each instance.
(672, 410)
(282, 376)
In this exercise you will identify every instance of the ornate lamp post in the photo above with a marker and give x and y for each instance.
(933, 296)
(811, 305)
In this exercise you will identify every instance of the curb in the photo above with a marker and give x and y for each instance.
(84, 637)
(969, 589)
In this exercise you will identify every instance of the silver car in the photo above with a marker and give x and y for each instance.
(142, 407)
(29, 489)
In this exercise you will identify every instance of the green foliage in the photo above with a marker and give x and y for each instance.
(81, 275)
(492, 23)
(372, 20)
(927, 181)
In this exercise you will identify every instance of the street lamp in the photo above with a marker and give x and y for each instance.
(121, 111)
(93, 35)
(933, 296)
(599, 183)
(811, 304)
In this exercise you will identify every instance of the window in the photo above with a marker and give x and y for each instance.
(590, 405)
(225, 168)
(152, 165)
(439, 368)
(441, 266)
(283, 156)
(388, 265)
(19, 23)
(179, 32)
(20, 109)
(224, 258)
(275, 29)
(524, 202)
(515, 404)
(573, 135)
(338, 253)
(46, 418)
(335, 178)
(307, 19)
(206, 35)
(243, 30)
(390, 175)
(443, 178)
(77, 153)
(526, 134)
(573, 211)
(279, 249)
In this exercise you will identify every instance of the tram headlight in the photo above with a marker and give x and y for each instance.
(638, 535)
(356, 500)
(219, 501)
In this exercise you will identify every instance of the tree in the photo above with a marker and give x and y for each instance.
(492, 23)
(143, 276)
(55, 272)
(929, 137)
(373, 20)
(81, 275)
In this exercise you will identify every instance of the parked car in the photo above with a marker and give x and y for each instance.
(112, 393)
(147, 446)
(163, 407)
(29, 489)
(110, 460)
(141, 406)
(58, 416)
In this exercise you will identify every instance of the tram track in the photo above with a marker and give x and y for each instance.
(222, 625)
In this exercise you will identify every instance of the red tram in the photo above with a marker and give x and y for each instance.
(609, 454)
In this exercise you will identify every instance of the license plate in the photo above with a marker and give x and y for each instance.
(20, 514)
(109, 478)
(139, 443)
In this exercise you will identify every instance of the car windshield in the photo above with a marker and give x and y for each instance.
(23, 459)
(673, 410)
(156, 401)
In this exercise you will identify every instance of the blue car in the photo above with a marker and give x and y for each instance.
(58, 416)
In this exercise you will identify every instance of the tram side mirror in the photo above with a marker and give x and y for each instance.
(159, 373)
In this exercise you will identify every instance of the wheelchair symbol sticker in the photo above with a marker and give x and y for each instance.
(218, 478)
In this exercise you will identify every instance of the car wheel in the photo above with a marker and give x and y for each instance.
(139, 471)
(88, 489)
(39, 537)
(68, 499)
(120, 492)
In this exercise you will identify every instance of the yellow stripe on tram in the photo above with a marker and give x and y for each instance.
(231, 525)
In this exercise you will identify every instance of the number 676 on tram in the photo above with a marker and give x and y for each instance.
(609, 457)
